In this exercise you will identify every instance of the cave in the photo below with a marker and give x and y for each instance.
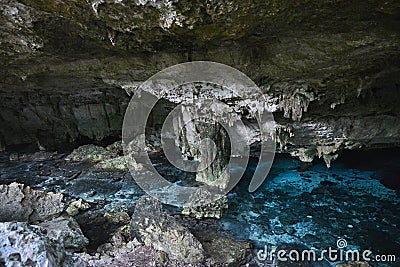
(200, 133)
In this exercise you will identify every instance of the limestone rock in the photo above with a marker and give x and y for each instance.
(37, 156)
(121, 236)
(114, 164)
(224, 250)
(210, 210)
(117, 217)
(305, 155)
(132, 256)
(67, 231)
(21, 203)
(90, 153)
(76, 206)
(25, 245)
(154, 227)
(326, 84)
(116, 147)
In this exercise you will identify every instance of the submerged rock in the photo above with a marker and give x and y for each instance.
(21, 203)
(354, 264)
(155, 227)
(66, 231)
(26, 245)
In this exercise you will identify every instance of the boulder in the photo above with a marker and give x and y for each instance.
(26, 245)
(210, 210)
(117, 217)
(224, 250)
(132, 257)
(155, 227)
(21, 203)
(90, 153)
(121, 236)
(76, 206)
(114, 164)
(116, 147)
(66, 231)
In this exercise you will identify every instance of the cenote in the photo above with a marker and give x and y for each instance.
(299, 206)
(200, 133)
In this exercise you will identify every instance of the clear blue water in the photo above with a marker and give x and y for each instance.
(303, 204)
(311, 205)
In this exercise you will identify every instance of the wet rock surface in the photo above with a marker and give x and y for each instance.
(114, 164)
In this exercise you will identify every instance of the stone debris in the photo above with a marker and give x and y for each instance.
(132, 256)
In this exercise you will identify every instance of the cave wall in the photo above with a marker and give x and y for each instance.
(329, 68)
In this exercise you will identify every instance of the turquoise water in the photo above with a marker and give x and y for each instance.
(303, 204)
(313, 206)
